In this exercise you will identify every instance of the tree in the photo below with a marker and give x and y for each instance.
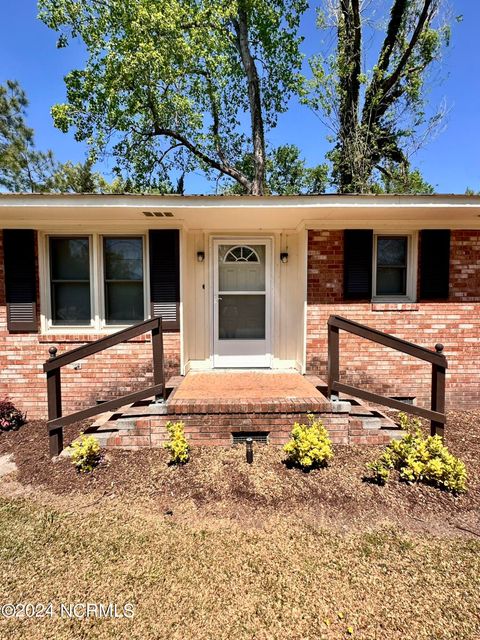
(374, 113)
(22, 167)
(286, 173)
(171, 83)
(400, 179)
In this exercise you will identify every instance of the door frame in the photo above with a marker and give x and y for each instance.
(269, 242)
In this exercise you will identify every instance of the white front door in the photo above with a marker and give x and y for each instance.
(242, 302)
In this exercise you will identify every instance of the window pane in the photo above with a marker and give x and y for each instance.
(123, 259)
(123, 302)
(392, 251)
(71, 303)
(70, 276)
(241, 268)
(391, 281)
(69, 259)
(241, 317)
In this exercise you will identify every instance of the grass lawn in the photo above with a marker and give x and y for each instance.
(218, 549)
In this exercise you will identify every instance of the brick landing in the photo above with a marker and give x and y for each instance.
(215, 405)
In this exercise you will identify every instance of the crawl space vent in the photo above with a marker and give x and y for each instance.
(406, 399)
(256, 436)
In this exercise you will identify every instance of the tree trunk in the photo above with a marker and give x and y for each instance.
(254, 98)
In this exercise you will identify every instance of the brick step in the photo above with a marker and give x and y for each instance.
(209, 422)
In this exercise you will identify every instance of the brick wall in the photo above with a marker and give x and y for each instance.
(455, 323)
(114, 372)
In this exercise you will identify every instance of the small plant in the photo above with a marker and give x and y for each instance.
(309, 447)
(85, 453)
(177, 443)
(420, 458)
(11, 418)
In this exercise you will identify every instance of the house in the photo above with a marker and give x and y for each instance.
(242, 283)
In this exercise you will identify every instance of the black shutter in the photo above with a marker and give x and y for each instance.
(358, 247)
(20, 279)
(434, 263)
(165, 277)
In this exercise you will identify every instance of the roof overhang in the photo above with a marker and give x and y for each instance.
(223, 213)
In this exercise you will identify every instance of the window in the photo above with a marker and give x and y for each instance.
(95, 281)
(70, 281)
(393, 267)
(123, 274)
(241, 254)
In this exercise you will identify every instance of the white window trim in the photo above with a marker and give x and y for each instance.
(97, 289)
(412, 267)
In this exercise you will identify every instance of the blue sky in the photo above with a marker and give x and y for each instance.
(451, 162)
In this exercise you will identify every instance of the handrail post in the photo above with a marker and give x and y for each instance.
(333, 367)
(158, 361)
(438, 394)
(54, 395)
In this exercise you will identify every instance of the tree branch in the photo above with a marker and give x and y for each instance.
(425, 18)
(382, 93)
(221, 166)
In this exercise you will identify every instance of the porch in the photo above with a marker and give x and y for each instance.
(224, 407)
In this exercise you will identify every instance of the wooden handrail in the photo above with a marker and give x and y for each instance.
(387, 340)
(436, 414)
(53, 367)
(102, 343)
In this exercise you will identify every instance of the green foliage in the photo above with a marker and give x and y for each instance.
(22, 167)
(11, 418)
(286, 173)
(85, 453)
(310, 446)
(420, 458)
(170, 81)
(177, 444)
(401, 179)
(80, 177)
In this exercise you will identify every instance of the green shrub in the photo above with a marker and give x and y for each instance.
(309, 447)
(420, 458)
(177, 444)
(11, 418)
(85, 453)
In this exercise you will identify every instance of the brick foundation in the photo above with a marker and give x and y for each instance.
(455, 323)
(217, 429)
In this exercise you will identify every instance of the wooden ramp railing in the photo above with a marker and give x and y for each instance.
(436, 413)
(53, 366)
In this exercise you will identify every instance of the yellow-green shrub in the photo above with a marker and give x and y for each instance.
(85, 453)
(420, 458)
(310, 445)
(177, 443)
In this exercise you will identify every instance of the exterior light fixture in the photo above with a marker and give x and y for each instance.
(284, 257)
(200, 256)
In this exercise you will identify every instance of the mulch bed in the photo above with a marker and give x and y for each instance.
(218, 481)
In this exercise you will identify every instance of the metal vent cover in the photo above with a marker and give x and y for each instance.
(158, 214)
(406, 399)
(257, 436)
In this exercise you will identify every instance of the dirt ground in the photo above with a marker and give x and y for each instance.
(218, 483)
(218, 549)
